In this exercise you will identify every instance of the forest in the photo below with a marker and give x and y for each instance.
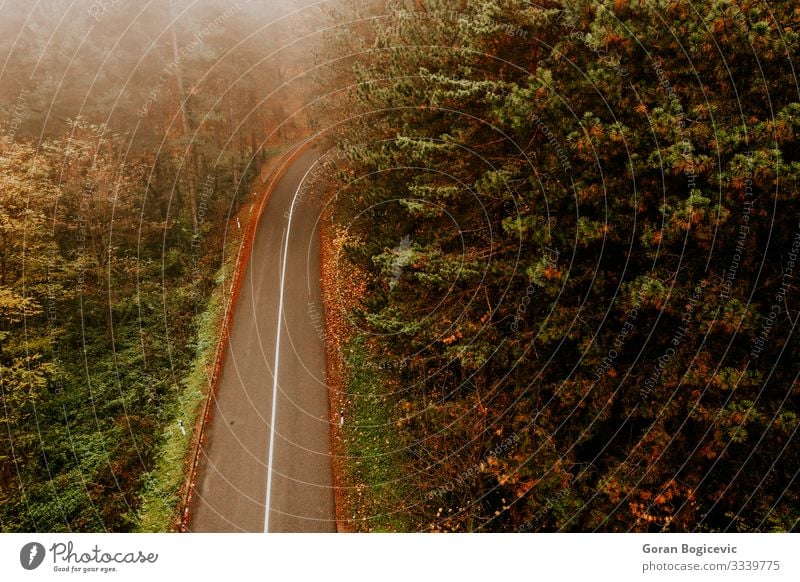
(578, 227)
(132, 133)
(560, 248)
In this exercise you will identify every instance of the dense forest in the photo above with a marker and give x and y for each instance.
(577, 224)
(131, 133)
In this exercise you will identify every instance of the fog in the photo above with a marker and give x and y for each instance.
(119, 62)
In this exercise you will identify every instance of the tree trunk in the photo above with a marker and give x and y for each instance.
(191, 169)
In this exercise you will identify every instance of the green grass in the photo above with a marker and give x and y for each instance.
(375, 465)
(160, 495)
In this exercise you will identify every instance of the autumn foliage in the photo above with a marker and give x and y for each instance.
(602, 204)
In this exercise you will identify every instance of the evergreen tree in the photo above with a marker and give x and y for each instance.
(601, 202)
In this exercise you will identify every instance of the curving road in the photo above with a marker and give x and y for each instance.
(268, 445)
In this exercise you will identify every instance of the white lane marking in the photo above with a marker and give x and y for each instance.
(278, 349)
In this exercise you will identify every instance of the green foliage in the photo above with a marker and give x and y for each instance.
(123, 157)
(590, 188)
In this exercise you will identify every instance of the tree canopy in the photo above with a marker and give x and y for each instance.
(130, 134)
(600, 205)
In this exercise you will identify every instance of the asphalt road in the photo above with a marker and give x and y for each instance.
(268, 444)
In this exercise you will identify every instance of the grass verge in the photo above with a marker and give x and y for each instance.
(370, 463)
(374, 463)
(161, 491)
